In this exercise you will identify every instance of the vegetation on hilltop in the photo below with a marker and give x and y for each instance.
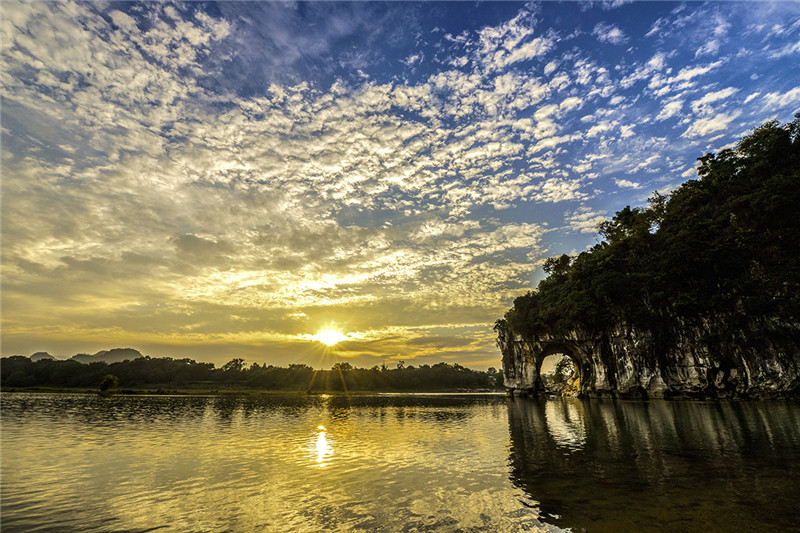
(726, 244)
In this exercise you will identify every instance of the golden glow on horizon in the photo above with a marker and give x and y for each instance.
(329, 337)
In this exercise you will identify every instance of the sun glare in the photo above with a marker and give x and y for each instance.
(322, 448)
(329, 337)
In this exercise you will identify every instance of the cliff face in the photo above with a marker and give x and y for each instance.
(706, 359)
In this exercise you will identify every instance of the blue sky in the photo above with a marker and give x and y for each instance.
(213, 180)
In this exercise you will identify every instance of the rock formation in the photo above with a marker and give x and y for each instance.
(707, 359)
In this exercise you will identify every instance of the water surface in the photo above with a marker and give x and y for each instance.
(395, 463)
(666, 466)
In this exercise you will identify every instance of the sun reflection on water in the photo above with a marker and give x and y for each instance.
(322, 449)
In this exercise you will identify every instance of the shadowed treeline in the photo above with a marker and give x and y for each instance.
(146, 372)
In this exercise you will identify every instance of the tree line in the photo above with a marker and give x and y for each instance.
(168, 373)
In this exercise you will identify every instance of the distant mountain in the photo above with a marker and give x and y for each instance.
(114, 355)
(38, 356)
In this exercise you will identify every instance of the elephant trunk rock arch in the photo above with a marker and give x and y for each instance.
(522, 363)
(626, 362)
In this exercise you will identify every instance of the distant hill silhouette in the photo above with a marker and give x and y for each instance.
(38, 356)
(115, 355)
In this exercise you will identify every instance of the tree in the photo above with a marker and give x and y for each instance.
(626, 222)
(109, 382)
(564, 370)
(557, 266)
(234, 365)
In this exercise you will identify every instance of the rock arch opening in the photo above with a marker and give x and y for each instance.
(523, 364)
(560, 374)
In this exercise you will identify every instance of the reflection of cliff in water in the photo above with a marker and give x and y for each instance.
(667, 466)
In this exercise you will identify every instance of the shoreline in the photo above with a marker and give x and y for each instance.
(163, 391)
(363, 393)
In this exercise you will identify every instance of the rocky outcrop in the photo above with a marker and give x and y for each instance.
(717, 357)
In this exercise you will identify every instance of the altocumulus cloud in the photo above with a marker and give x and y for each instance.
(212, 180)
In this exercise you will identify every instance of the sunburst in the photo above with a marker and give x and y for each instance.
(329, 337)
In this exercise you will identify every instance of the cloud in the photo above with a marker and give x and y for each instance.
(551, 142)
(412, 59)
(707, 125)
(720, 25)
(649, 69)
(608, 33)
(751, 97)
(777, 100)
(627, 184)
(626, 131)
(689, 172)
(534, 48)
(670, 109)
(719, 28)
(701, 106)
(647, 163)
(689, 73)
(512, 42)
(597, 129)
(709, 48)
(568, 104)
(658, 73)
(557, 190)
(585, 219)
(786, 50)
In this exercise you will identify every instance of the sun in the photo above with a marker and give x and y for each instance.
(329, 336)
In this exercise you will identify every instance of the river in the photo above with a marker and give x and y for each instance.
(450, 463)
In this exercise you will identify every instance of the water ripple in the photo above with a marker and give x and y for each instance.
(390, 463)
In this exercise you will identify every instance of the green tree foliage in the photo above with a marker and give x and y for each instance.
(563, 370)
(109, 382)
(726, 243)
(557, 266)
(233, 370)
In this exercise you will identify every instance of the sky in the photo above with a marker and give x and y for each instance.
(219, 180)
